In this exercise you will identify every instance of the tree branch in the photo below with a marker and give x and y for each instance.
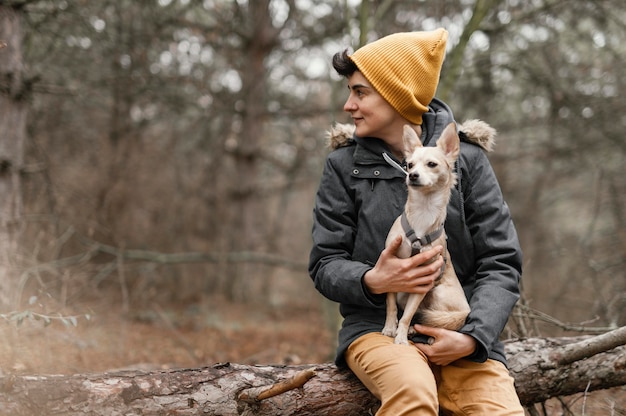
(455, 58)
(196, 257)
(589, 347)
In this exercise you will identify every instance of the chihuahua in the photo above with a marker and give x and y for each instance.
(430, 178)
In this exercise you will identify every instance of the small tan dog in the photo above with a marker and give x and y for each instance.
(430, 178)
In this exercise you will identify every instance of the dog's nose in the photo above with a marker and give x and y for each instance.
(413, 176)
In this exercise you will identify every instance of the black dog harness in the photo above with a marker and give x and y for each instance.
(418, 243)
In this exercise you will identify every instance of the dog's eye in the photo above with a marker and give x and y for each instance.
(409, 165)
(432, 164)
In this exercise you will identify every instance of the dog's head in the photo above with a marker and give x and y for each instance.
(431, 168)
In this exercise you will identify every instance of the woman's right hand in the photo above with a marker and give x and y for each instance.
(415, 274)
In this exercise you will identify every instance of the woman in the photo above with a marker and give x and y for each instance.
(392, 82)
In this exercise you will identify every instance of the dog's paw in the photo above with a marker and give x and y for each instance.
(389, 331)
(401, 340)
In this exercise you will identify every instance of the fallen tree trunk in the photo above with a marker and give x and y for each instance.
(542, 368)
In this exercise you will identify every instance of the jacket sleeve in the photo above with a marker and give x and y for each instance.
(334, 273)
(497, 254)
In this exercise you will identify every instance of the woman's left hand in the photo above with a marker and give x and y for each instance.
(446, 345)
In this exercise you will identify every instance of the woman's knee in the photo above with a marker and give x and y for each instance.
(478, 388)
(386, 368)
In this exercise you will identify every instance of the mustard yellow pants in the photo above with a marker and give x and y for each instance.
(406, 383)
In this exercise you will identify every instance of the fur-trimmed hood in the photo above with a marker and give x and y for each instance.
(473, 131)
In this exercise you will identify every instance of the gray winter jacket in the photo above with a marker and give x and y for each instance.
(360, 196)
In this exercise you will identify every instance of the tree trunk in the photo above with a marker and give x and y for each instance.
(247, 228)
(13, 94)
(542, 368)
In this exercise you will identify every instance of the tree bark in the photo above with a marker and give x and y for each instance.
(13, 93)
(542, 368)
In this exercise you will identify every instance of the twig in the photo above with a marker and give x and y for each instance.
(51, 266)
(585, 396)
(532, 411)
(122, 277)
(19, 317)
(256, 394)
(530, 313)
(197, 257)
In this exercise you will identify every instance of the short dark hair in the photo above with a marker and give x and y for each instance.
(343, 64)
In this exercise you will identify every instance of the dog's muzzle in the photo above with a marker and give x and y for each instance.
(413, 179)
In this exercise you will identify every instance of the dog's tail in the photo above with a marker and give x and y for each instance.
(452, 320)
(479, 133)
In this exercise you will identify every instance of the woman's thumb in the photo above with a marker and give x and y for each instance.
(426, 330)
(394, 245)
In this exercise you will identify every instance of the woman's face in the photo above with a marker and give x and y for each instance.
(371, 114)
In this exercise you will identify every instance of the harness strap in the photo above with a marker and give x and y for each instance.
(417, 243)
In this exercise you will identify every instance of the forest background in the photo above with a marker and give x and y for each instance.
(159, 161)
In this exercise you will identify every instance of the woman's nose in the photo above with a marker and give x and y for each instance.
(349, 105)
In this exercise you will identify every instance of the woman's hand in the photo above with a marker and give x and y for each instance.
(446, 346)
(415, 274)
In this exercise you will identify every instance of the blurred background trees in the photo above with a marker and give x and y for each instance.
(198, 128)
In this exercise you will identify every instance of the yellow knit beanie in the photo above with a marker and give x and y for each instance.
(404, 68)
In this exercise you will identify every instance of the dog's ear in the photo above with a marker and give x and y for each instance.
(411, 139)
(449, 142)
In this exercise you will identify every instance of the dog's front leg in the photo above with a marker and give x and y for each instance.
(391, 321)
(409, 310)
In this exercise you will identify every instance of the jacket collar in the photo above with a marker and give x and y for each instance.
(434, 121)
(369, 150)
